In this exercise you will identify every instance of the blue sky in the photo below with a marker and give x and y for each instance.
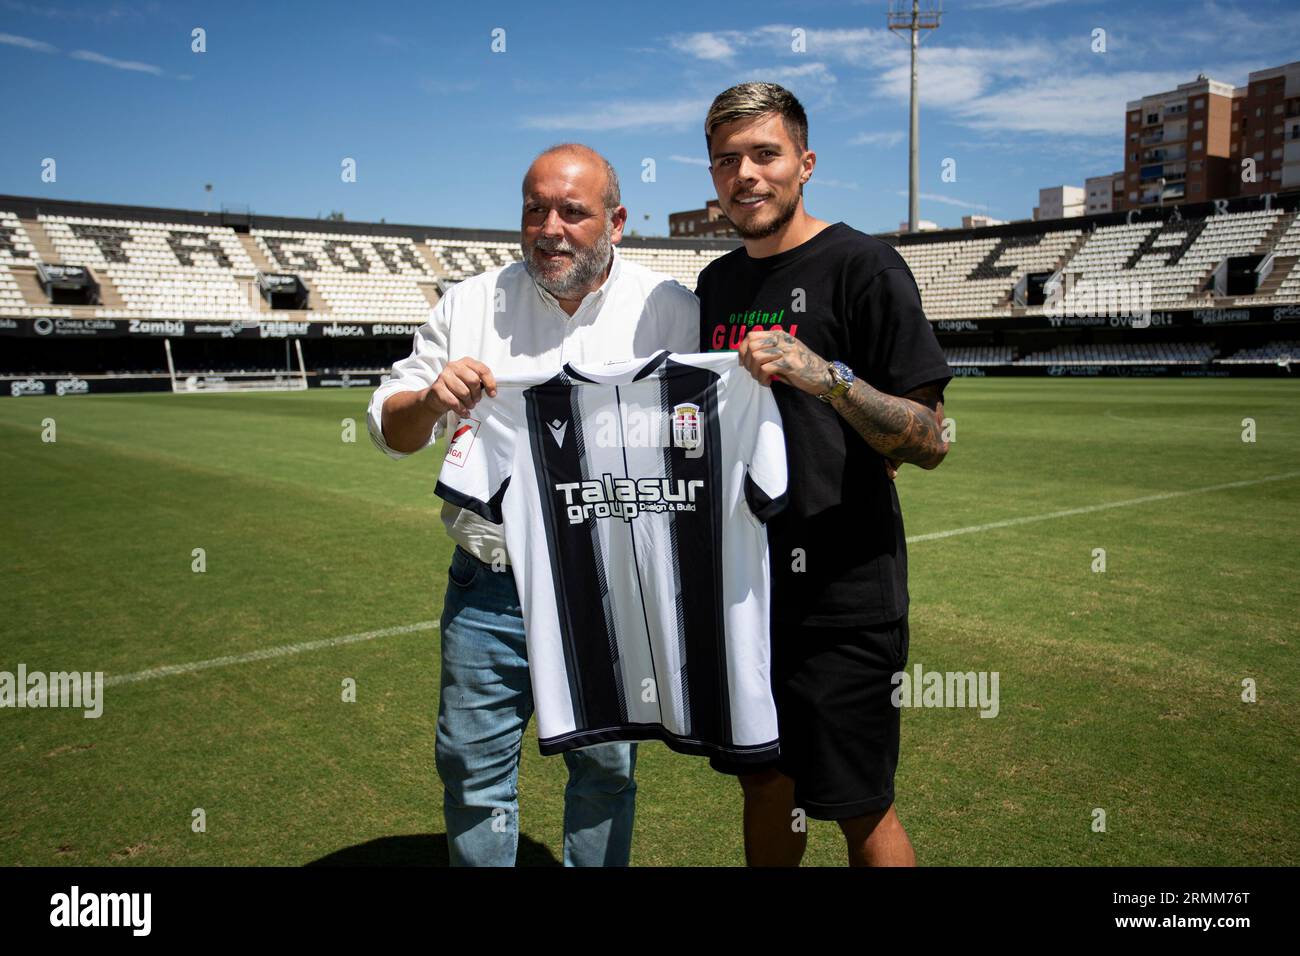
(442, 128)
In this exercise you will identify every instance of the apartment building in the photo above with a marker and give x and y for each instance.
(1101, 193)
(706, 223)
(1177, 145)
(1266, 131)
(1059, 202)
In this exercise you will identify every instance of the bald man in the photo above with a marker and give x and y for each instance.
(573, 298)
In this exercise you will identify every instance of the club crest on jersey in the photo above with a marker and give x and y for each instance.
(462, 440)
(686, 426)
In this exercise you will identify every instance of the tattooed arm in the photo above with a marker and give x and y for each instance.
(902, 428)
(909, 428)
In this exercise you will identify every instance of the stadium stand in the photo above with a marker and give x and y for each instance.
(11, 297)
(1125, 353)
(15, 244)
(160, 269)
(977, 276)
(157, 270)
(1274, 353)
(1215, 281)
(358, 278)
(979, 355)
(1175, 258)
(462, 258)
(1288, 253)
(684, 265)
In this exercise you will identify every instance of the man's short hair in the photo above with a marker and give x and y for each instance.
(612, 197)
(756, 99)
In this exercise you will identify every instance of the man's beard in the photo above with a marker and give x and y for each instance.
(586, 267)
(783, 215)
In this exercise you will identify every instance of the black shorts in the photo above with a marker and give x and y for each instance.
(833, 689)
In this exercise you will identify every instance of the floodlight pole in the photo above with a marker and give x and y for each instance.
(914, 23)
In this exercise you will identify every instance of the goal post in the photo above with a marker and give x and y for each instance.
(258, 380)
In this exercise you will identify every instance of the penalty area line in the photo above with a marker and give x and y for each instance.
(1089, 509)
(266, 653)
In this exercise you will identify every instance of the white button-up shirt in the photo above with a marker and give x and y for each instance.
(515, 327)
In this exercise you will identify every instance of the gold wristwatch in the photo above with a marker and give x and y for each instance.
(843, 377)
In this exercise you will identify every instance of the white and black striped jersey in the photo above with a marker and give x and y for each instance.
(633, 497)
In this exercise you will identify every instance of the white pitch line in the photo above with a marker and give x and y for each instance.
(1227, 426)
(266, 653)
(287, 649)
(1089, 509)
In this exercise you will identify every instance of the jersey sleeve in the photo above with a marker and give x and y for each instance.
(476, 470)
(763, 448)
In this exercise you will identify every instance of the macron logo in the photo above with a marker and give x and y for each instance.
(558, 429)
(102, 909)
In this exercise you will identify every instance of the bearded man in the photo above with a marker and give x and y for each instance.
(573, 298)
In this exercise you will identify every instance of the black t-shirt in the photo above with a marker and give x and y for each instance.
(839, 557)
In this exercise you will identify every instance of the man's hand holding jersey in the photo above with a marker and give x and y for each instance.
(409, 417)
(459, 387)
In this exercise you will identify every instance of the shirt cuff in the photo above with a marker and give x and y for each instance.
(375, 420)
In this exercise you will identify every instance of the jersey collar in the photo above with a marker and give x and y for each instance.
(617, 373)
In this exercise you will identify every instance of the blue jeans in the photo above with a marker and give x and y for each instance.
(486, 703)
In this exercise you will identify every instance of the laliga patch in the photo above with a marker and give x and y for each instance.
(686, 428)
(462, 440)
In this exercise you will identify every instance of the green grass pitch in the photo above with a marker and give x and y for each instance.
(1119, 690)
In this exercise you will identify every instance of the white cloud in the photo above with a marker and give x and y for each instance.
(1016, 4)
(832, 183)
(625, 114)
(1072, 105)
(850, 46)
(949, 75)
(27, 43)
(1027, 87)
(91, 57)
(1014, 84)
(863, 45)
(691, 160)
(97, 13)
(888, 139)
(1267, 35)
(1108, 151)
(705, 46)
(435, 86)
(809, 72)
(947, 200)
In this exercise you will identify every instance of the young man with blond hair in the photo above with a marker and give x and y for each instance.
(831, 318)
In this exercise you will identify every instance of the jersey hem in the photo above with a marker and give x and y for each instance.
(488, 510)
(631, 733)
